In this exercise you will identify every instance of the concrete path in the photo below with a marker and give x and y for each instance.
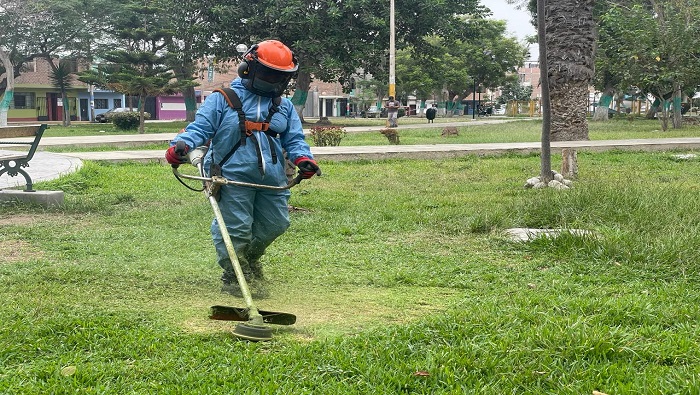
(46, 166)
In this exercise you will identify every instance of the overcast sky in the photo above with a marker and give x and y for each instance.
(518, 21)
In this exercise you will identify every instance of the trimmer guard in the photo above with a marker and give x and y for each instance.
(227, 313)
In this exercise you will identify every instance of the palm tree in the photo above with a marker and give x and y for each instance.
(61, 78)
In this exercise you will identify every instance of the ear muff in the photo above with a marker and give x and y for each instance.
(244, 70)
(244, 67)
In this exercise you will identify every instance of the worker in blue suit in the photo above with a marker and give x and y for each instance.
(248, 126)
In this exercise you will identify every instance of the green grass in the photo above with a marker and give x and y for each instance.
(92, 129)
(399, 274)
(517, 131)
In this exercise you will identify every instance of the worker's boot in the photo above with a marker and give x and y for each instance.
(230, 284)
(257, 270)
(229, 280)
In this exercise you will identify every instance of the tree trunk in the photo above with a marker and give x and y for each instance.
(601, 111)
(301, 93)
(183, 72)
(570, 37)
(663, 114)
(651, 112)
(546, 155)
(66, 108)
(190, 103)
(677, 120)
(142, 106)
(10, 89)
(569, 111)
(569, 163)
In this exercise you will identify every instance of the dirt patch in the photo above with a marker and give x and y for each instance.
(321, 312)
(13, 251)
(18, 220)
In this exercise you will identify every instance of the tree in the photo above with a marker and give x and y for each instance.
(487, 58)
(652, 45)
(191, 43)
(16, 22)
(61, 78)
(141, 67)
(334, 39)
(514, 91)
(31, 29)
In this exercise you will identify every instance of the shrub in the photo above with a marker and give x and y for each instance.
(392, 135)
(327, 136)
(127, 120)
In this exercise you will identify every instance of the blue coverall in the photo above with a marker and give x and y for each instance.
(254, 217)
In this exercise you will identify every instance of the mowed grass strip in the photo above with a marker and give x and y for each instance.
(398, 271)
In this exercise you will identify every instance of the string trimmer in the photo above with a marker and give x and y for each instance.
(253, 328)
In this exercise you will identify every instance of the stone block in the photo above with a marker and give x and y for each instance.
(42, 198)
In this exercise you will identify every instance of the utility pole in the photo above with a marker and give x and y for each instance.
(392, 51)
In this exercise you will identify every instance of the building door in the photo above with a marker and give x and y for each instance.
(326, 109)
(54, 112)
(84, 110)
(343, 106)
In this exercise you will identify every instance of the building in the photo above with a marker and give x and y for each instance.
(529, 75)
(36, 99)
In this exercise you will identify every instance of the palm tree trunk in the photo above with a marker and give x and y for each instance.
(301, 93)
(570, 40)
(570, 36)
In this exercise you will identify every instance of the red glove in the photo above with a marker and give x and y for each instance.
(177, 154)
(307, 167)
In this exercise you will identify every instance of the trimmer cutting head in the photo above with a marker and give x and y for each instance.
(252, 332)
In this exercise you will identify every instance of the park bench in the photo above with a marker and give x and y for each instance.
(14, 162)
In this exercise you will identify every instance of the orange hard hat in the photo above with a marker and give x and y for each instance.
(275, 55)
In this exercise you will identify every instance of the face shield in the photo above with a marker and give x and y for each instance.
(267, 82)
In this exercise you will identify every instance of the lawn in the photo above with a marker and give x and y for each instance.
(519, 130)
(398, 271)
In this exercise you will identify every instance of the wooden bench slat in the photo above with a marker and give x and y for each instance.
(12, 156)
(19, 131)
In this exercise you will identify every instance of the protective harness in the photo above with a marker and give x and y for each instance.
(247, 128)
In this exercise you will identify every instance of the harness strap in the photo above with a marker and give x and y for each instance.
(248, 127)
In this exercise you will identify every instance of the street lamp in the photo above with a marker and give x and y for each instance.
(241, 48)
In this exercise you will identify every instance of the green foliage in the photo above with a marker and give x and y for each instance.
(327, 136)
(62, 77)
(127, 120)
(651, 47)
(513, 90)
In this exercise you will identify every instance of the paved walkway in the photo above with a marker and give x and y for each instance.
(47, 166)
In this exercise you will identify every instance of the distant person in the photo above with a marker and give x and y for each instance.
(430, 113)
(392, 111)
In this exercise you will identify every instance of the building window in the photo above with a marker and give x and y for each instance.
(101, 104)
(23, 100)
(117, 103)
(28, 67)
(521, 77)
